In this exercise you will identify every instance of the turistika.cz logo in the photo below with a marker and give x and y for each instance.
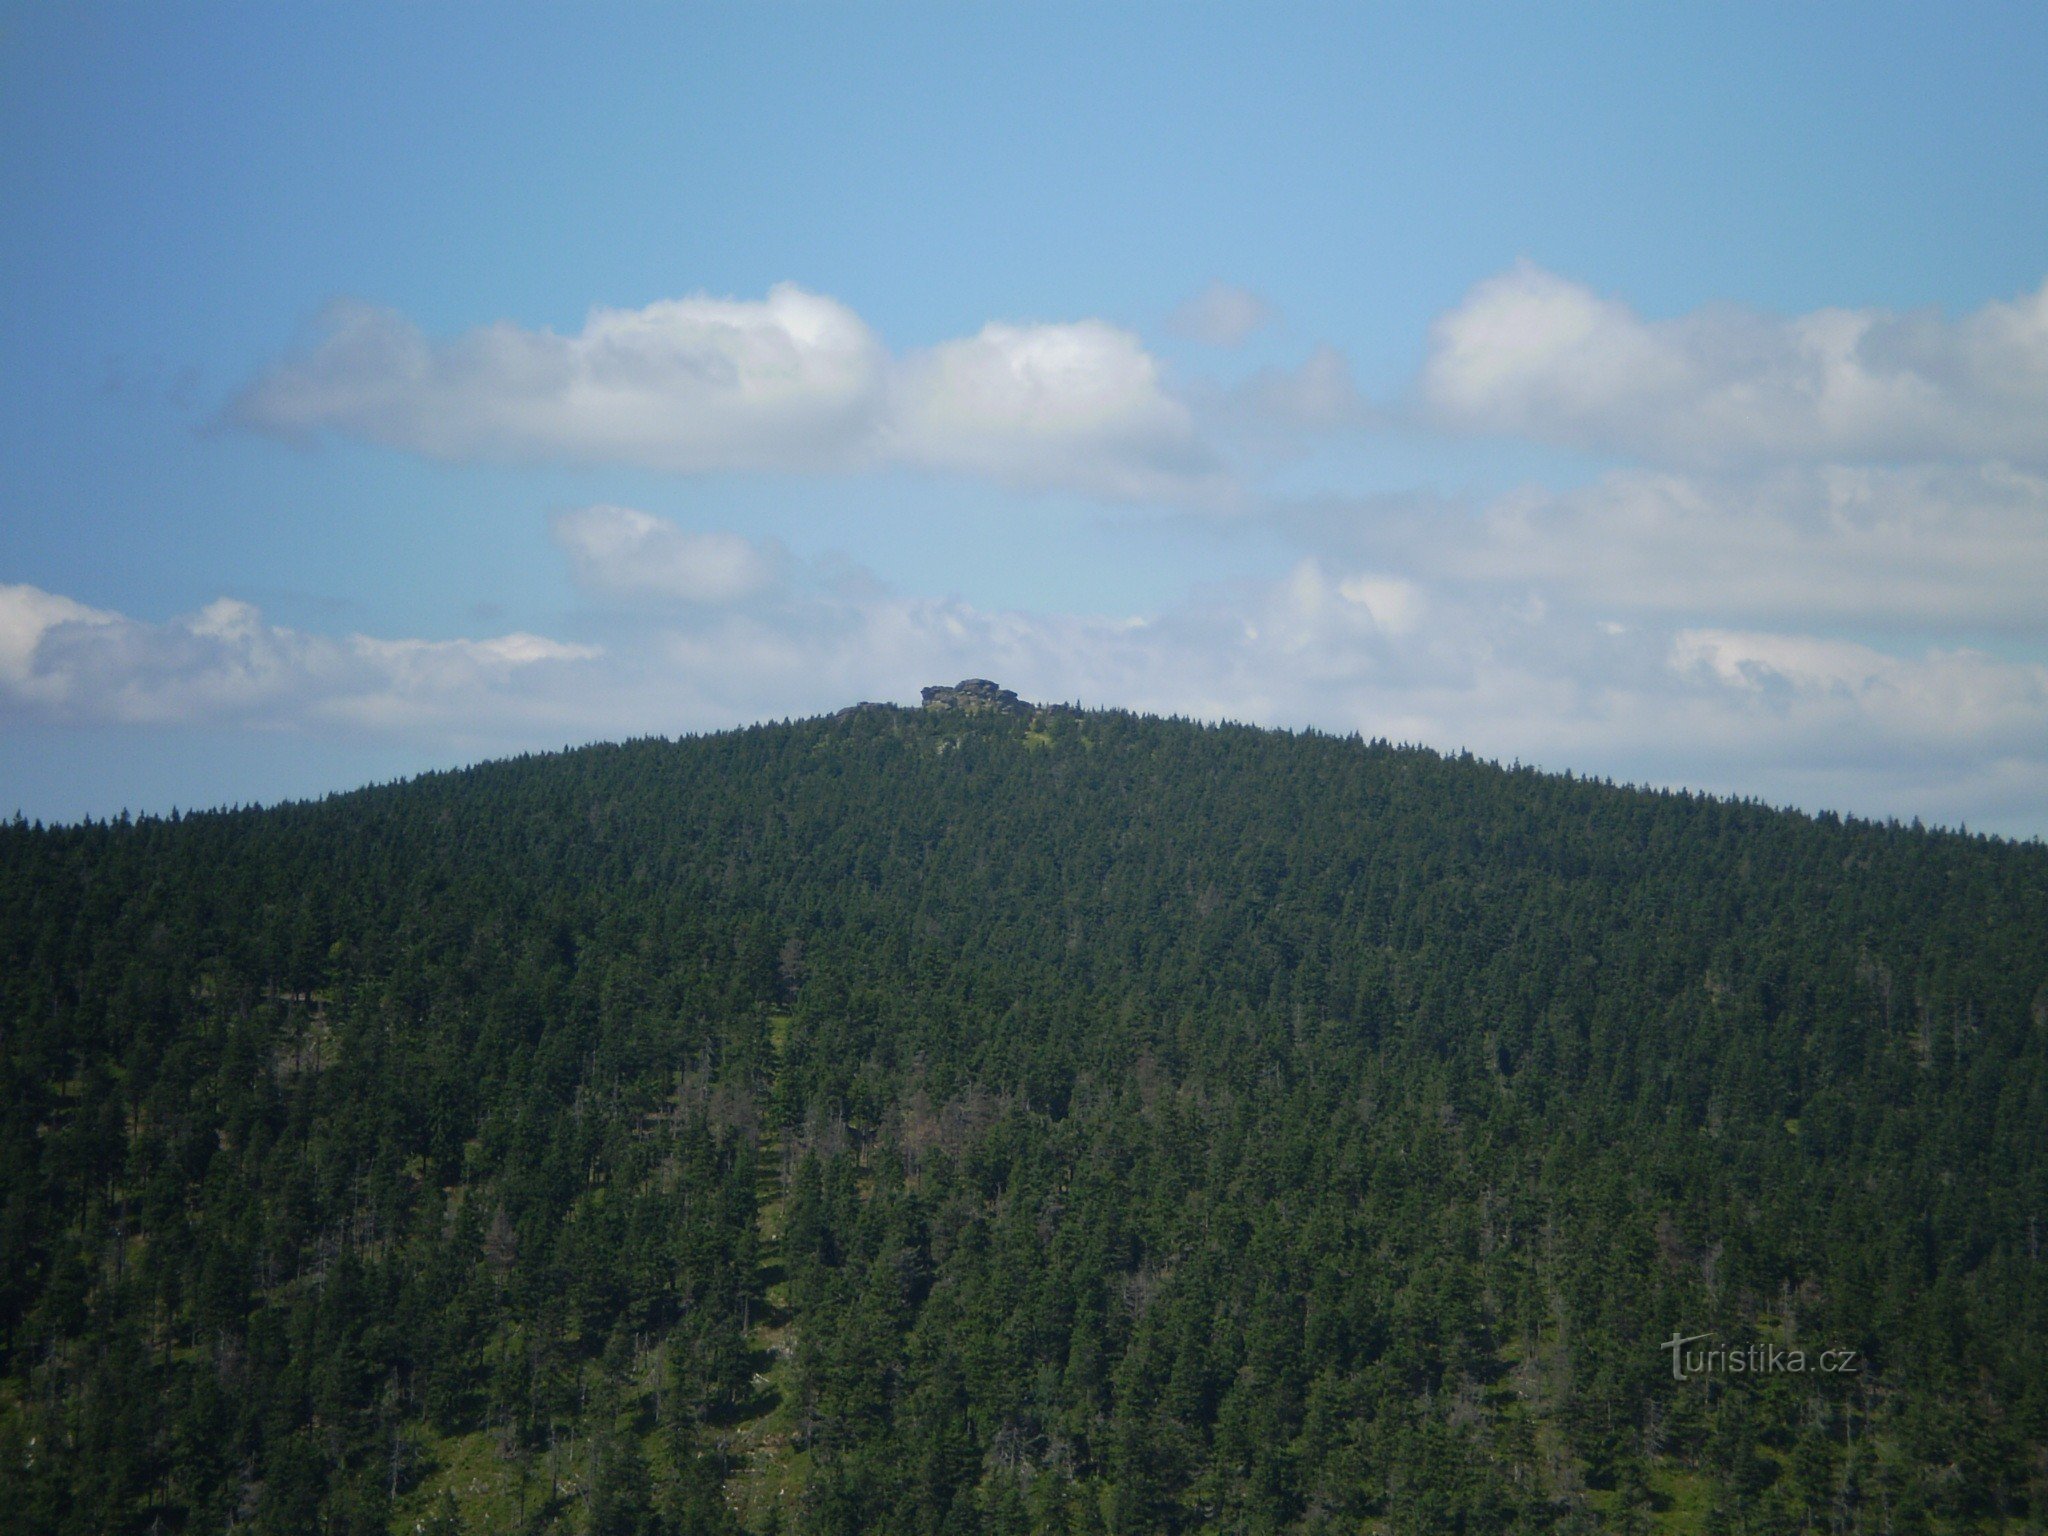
(1751, 1360)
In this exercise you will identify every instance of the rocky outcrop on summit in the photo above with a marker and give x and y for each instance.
(976, 696)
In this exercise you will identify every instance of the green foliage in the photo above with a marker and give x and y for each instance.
(1088, 1124)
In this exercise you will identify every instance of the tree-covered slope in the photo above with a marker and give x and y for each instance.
(923, 1122)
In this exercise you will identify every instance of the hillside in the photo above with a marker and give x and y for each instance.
(943, 1121)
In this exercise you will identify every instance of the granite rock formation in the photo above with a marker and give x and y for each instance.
(976, 696)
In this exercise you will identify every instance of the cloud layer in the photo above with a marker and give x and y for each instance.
(692, 630)
(795, 382)
(225, 664)
(1820, 573)
(798, 383)
(1530, 354)
(1921, 547)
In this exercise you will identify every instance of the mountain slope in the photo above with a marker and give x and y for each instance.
(1165, 1127)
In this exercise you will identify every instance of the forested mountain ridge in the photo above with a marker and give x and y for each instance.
(923, 1122)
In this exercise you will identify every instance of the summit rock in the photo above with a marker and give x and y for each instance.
(976, 696)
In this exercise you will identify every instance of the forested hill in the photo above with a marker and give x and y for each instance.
(928, 1122)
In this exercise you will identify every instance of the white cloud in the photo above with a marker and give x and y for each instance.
(1397, 606)
(1221, 316)
(790, 382)
(1819, 689)
(1922, 546)
(618, 550)
(227, 664)
(26, 615)
(470, 685)
(1802, 662)
(796, 382)
(1534, 355)
(1045, 406)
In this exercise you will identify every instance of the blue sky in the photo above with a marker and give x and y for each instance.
(1656, 392)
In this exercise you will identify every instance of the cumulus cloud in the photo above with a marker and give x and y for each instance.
(619, 550)
(795, 382)
(1531, 354)
(1221, 316)
(26, 615)
(1046, 406)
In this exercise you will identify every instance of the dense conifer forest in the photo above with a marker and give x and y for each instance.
(922, 1122)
